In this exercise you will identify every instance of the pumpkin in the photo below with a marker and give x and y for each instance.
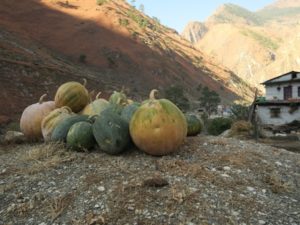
(118, 98)
(129, 110)
(53, 119)
(60, 132)
(32, 117)
(80, 136)
(194, 125)
(95, 107)
(158, 127)
(111, 132)
(73, 95)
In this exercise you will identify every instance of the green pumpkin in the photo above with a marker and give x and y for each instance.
(80, 136)
(194, 125)
(111, 132)
(118, 98)
(60, 132)
(129, 110)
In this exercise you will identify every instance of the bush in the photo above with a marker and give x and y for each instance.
(101, 2)
(241, 128)
(240, 112)
(218, 125)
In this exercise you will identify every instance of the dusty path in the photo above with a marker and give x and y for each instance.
(209, 181)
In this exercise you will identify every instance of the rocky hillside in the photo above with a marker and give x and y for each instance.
(255, 45)
(44, 43)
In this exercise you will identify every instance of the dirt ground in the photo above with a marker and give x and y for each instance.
(210, 180)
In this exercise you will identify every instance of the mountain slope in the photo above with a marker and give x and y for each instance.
(115, 43)
(255, 45)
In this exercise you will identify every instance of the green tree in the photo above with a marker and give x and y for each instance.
(209, 100)
(176, 95)
(239, 112)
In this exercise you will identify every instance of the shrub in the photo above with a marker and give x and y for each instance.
(101, 2)
(239, 111)
(218, 125)
(82, 58)
(241, 128)
(124, 22)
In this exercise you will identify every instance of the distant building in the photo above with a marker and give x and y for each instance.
(281, 105)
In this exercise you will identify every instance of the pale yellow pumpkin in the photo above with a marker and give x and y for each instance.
(52, 120)
(95, 107)
(32, 117)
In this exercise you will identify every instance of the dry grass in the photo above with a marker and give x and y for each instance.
(59, 204)
(277, 184)
(46, 156)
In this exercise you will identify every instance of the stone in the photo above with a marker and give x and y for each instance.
(14, 137)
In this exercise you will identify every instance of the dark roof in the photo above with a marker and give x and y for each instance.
(270, 81)
(294, 102)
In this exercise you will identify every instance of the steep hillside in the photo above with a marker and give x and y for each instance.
(255, 45)
(113, 41)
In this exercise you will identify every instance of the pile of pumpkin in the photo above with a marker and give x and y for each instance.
(156, 126)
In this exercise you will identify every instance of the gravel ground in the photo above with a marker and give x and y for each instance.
(210, 180)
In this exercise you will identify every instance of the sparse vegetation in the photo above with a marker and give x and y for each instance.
(124, 22)
(101, 2)
(261, 39)
(138, 18)
(239, 112)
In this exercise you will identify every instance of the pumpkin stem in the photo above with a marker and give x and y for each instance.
(42, 98)
(84, 82)
(152, 94)
(98, 95)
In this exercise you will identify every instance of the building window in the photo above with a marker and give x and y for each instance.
(294, 75)
(298, 91)
(275, 112)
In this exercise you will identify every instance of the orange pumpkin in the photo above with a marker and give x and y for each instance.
(32, 117)
(95, 107)
(73, 95)
(53, 119)
(158, 127)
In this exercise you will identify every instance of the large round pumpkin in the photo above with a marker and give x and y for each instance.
(80, 136)
(32, 117)
(73, 95)
(111, 132)
(158, 127)
(194, 125)
(53, 119)
(95, 107)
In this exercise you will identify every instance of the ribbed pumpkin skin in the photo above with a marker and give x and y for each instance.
(158, 127)
(32, 117)
(95, 108)
(73, 95)
(194, 125)
(111, 132)
(80, 136)
(60, 132)
(52, 120)
(118, 98)
(129, 110)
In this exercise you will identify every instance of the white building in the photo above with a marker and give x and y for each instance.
(281, 105)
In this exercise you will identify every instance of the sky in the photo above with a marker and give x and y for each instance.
(177, 13)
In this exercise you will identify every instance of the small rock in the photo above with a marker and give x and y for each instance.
(278, 163)
(262, 222)
(14, 137)
(97, 206)
(101, 188)
(43, 223)
(250, 189)
(131, 208)
(205, 144)
(225, 175)
(226, 168)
